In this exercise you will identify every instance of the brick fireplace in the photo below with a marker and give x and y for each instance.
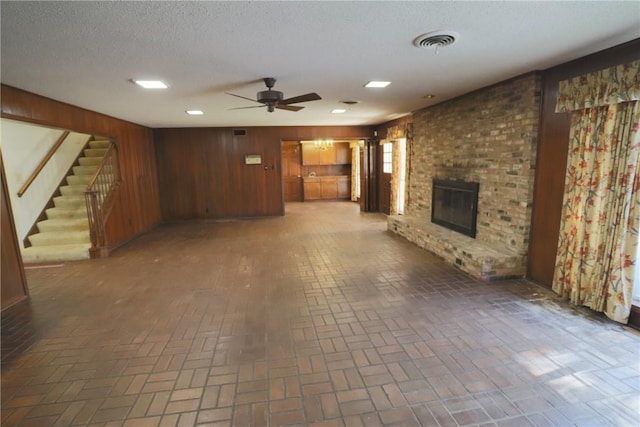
(488, 136)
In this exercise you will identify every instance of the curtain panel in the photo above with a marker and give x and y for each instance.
(605, 87)
(395, 132)
(355, 171)
(597, 246)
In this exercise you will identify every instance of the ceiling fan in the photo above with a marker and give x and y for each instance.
(273, 99)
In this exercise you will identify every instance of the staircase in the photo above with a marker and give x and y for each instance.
(64, 235)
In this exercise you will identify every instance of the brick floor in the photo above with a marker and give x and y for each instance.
(318, 318)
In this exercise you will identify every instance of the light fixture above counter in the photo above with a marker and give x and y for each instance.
(323, 144)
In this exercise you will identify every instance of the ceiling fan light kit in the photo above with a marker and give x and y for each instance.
(273, 99)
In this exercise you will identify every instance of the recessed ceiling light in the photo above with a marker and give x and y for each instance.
(151, 84)
(338, 111)
(429, 96)
(375, 83)
(194, 112)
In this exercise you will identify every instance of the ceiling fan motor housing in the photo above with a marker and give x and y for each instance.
(270, 96)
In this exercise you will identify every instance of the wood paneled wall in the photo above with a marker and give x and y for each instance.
(202, 171)
(137, 208)
(551, 163)
(13, 285)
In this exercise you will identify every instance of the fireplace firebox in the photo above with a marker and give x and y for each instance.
(454, 204)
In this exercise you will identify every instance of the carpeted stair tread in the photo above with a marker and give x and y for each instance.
(100, 143)
(95, 152)
(89, 161)
(73, 190)
(85, 170)
(64, 224)
(66, 237)
(78, 179)
(72, 212)
(54, 253)
(73, 201)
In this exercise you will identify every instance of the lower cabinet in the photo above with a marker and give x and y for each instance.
(327, 187)
(312, 189)
(344, 187)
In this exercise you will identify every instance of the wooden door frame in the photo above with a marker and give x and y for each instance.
(369, 178)
(284, 143)
(382, 178)
(12, 265)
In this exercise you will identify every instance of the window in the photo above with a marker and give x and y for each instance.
(387, 157)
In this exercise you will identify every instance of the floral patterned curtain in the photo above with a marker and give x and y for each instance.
(394, 134)
(606, 87)
(355, 170)
(597, 247)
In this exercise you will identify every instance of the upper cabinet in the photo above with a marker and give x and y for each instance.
(338, 154)
(343, 153)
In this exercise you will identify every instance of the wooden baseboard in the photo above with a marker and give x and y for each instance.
(14, 301)
(634, 316)
(104, 252)
(95, 253)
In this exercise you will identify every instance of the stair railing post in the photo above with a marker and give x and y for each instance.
(99, 196)
(91, 199)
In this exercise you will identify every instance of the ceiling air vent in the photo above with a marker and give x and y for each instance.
(436, 39)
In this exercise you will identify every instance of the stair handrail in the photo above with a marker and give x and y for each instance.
(100, 195)
(43, 163)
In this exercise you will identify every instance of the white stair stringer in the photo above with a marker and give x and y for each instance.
(64, 235)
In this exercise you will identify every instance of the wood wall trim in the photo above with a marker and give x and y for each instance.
(13, 282)
(634, 317)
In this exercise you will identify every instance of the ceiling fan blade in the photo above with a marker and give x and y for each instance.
(240, 96)
(302, 98)
(289, 107)
(244, 108)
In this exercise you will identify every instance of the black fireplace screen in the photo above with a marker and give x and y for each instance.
(454, 205)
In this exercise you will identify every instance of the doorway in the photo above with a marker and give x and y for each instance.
(386, 177)
(292, 171)
(392, 177)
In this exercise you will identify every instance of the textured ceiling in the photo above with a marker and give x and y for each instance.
(85, 53)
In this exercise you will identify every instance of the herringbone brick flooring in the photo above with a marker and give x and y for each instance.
(318, 318)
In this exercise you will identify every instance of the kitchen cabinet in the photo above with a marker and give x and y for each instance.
(344, 187)
(310, 155)
(327, 187)
(311, 188)
(343, 153)
(338, 154)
